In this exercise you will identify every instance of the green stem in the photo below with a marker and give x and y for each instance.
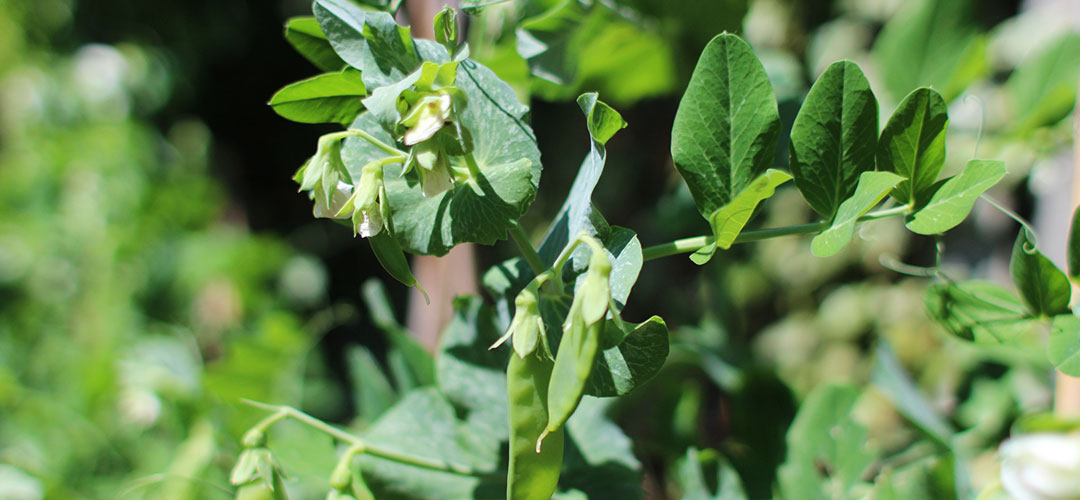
(531, 257)
(355, 132)
(694, 243)
(474, 168)
(368, 448)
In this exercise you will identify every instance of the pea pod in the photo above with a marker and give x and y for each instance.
(389, 253)
(532, 475)
(573, 364)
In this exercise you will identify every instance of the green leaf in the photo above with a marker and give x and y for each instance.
(834, 137)
(374, 43)
(872, 188)
(417, 360)
(599, 461)
(1074, 246)
(372, 392)
(1043, 287)
(978, 311)
(576, 213)
(326, 98)
(930, 43)
(424, 424)
(913, 145)
(952, 202)
(1043, 88)
(827, 448)
(1063, 348)
(632, 362)
(576, 45)
(706, 475)
(304, 34)
(729, 221)
(481, 209)
(727, 124)
(446, 28)
(897, 385)
(469, 374)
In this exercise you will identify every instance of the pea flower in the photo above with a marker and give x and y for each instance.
(322, 173)
(527, 327)
(434, 168)
(1042, 466)
(426, 117)
(368, 205)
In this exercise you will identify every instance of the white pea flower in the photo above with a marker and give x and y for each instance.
(426, 117)
(1042, 466)
(340, 196)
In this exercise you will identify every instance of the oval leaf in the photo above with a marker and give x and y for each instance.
(730, 220)
(626, 366)
(913, 145)
(872, 188)
(326, 98)
(1043, 287)
(726, 126)
(305, 35)
(952, 202)
(834, 137)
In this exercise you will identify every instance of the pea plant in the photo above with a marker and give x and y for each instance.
(437, 151)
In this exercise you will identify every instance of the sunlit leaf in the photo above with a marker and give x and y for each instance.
(1043, 287)
(913, 145)
(952, 202)
(727, 124)
(834, 137)
(872, 188)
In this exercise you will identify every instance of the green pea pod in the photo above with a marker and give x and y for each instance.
(532, 475)
(393, 259)
(573, 364)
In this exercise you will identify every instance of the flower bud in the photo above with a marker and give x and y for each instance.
(1042, 466)
(367, 216)
(593, 297)
(527, 327)
(338, 200)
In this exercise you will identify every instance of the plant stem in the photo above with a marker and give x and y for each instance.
(355, 132)
(355, 441)
(694, 243)
(527, 251)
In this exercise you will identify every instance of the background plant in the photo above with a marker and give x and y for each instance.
(758, 303)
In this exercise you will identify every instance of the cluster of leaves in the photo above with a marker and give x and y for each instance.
(723, 143)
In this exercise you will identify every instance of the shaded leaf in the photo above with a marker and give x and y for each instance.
(729, 221)
(419, 363)
(827, 449)
(636, 358)
(706, 475)
(889, 376)
(326, 98)
(930, 43)
(727, 124)
(913, 145)
(576, 213)
(305, 35)
(834, 137)
(952, 202)
(872, 188)
(470, 375)
(1064, 345)
(372, 392)
(978, 311)
(1044, 289)
(1043, 88)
